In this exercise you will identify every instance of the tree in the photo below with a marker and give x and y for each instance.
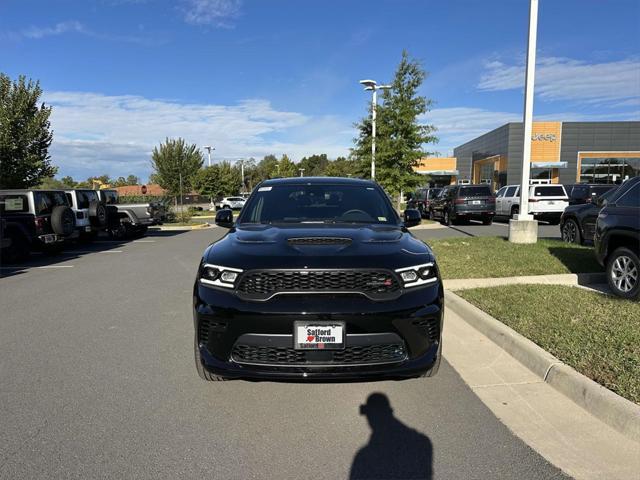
(133, 180)
(342, 167)
(267, 167)
(220, 180)
(314, 165)
(286, 168)
(25, 134)
(175, 163)
(400, 137)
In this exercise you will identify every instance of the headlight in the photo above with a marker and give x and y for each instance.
(219, 276)
(418, 274)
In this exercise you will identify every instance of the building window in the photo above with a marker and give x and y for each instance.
(541, 174)
(608, 170)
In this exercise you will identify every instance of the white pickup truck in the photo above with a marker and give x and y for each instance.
(546, 202)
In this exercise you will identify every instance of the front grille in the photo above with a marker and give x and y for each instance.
(319, 241)
(354, 355)
(375, 284)
(430, 326)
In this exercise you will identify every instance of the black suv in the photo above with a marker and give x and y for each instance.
(578, 222)
(582, 193)
(421, 200)
(617, 239)
(318, 278)
(464, 202)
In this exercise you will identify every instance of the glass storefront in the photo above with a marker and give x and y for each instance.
(608, 170)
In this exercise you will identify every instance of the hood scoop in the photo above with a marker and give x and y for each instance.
(319, 241)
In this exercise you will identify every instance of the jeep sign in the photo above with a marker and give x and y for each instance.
(544, 137)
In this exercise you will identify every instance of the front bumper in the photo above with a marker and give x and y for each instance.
(411, 323)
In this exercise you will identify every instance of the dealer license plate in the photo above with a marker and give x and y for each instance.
(318, 335)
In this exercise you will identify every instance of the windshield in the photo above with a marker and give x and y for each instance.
(479, 191)
(318, 204)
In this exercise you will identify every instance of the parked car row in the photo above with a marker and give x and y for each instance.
(45, 220)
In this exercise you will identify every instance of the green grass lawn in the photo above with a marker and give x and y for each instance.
(484, 257)
(596, 334)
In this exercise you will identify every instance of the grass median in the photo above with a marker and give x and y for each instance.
(485, 257)
(596, 334)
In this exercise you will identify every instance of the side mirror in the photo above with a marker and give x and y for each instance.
(601, 202)
(412, 217)
(224, 218)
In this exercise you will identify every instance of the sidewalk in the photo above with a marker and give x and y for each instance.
(565, 434)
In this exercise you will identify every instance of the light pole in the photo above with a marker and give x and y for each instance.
(523, 228)
(301, 172)
(374, 87)
(241, 161)
(208, 148)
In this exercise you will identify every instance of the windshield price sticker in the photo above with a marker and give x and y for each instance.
(265, 189)
(319, 337)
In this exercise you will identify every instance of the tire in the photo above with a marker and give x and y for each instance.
(570, 232)
(138, 232)
(487, 220)
(623, 273)
(97, 214)
(515, 210)
(17, 251)
(430, 215)
(203, 373)
(118, 232)
(446, 218)
(63, 221)
(226, 207)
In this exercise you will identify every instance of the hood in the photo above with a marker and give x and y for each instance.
(323, 246)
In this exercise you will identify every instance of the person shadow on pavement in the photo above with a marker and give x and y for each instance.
(394, 451)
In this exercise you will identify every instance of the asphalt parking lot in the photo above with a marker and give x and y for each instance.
(499, 228)
(98, 381)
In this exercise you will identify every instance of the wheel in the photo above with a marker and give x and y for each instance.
(430, 215)
(487, 220)
(97, 214)
(138, 232)
(571, 232)
(623, 273)
(447, 218)
(119, 232)
(203, 373)
(515, 210)
(226, 207)
(18, 249)
(63, 220)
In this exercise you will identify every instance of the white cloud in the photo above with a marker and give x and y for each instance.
(211, 12)
(57, 29)
(95, 133)
(568, 79)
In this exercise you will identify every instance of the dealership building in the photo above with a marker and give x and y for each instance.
(561, 152)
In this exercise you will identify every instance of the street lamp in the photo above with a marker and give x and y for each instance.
(374, 87)
(523, 228)
(208, 148)
(301, 172)
(241, 161)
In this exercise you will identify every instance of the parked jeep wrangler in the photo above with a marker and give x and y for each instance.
(91, 215)
(617, 239)
(34, 220)
(128, 220)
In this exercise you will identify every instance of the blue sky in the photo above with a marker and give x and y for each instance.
(254, 77)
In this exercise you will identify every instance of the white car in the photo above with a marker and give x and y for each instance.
(233, 203)
(546, 202)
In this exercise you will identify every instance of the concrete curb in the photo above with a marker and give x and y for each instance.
(560, 279)
(183, 228)
(617, 412)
